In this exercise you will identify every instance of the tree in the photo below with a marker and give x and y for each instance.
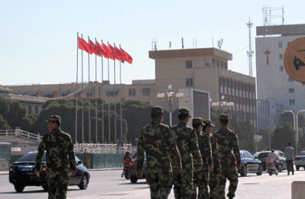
(283, 134)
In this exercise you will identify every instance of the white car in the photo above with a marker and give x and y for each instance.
(299, 160)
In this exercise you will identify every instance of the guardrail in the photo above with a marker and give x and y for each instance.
(21, 133)
(102, 148)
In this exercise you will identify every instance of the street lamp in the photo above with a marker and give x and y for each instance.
(295, 125)
(222, 105)
(170, 96)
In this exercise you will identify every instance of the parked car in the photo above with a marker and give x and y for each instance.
(250, 164)
(21, 173)
(299, 160)
(133, 169)
(282, 164)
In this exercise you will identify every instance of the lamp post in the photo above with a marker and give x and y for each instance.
(222, 105)
(295, 125)
(170, 96)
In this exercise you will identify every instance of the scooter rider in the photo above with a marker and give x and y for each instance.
(275, 158)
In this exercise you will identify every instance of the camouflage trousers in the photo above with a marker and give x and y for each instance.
(230, 173)
(183, 185)
(58, 184)
(201, 180)
(160, 185)
(214, 183)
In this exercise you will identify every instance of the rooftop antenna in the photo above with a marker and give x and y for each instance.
(219, 43)
(182, 43)
(267, 15)
(154, 44)
(170, 45)
(250, 52)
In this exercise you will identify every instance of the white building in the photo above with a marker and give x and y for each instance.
(272, 79)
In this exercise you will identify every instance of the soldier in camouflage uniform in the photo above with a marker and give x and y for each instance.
(157, 141)
(214, 176)
(58, 146)
(227, 142)
(187, 143)
(201, 178)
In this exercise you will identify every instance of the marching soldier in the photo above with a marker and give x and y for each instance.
(162, 152)
(58, 146)
(201, 178)
(187, 143)
(227, 141)
(214, 176)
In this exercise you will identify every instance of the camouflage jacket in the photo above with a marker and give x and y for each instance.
(58, 146)
(205, 149)
(157, 141)
(216, 160)
(187, 143)
(227, 141)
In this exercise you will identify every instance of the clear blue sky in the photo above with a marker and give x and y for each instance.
(38, 38)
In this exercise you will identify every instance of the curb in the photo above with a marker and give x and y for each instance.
(91, 170)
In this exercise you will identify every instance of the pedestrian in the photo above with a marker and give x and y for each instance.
(289, 153)
(275, 158)
(58, 146)
(214, 176)
(85, 159)
(227, 142)
(201, 178)
(162, 155)
(187, 143)
(126, 162)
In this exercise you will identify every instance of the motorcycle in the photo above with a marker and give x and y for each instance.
(270, 164)
(126, 171)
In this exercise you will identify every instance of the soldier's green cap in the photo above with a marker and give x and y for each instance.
(208, 123)
(223, 117)
(197, 120)
(156, 111)
(184, 111)
(54, 118)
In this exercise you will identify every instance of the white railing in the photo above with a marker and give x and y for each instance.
(102, 148)
(21, 133)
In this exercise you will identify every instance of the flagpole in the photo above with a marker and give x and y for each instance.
(121, 101)
(115, 141)
(76, 90)
(83, 139)
(103, 138)
(89, 104)
(108, 103)
(95, 95)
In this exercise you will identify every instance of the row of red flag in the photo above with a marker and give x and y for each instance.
(106, 51)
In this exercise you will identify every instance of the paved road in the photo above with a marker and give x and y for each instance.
(109, 184)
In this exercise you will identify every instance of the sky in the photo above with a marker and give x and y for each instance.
(38, 39)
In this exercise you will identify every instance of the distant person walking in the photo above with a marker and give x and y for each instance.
(58, 146)
(289, 153)
(85, 159)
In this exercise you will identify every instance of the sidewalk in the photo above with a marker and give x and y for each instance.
(90, 170)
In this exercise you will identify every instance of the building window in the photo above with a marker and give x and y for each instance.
(89, 94)
(225, 65)
(281, 68)
(280, 56)
(189, 82)
(290, 79)
(146, 91)
(36, 109)
(291, 90)
(188, 64)
(29, 109)
(132, 92)
(213, 62)
(111, 93)
(291, 102)
(217, 63)
(49, 95)
(280, 44)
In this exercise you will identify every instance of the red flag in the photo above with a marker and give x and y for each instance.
(119, 56)
(101, 51)
(110, 51)
(126, 56)
(93, 47)
(82, 44)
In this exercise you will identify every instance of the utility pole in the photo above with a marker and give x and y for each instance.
(250, 52)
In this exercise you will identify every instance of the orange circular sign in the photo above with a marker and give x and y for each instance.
(294, 59)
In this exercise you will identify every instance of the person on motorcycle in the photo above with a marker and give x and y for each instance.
(275, 158)
(126, 161)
